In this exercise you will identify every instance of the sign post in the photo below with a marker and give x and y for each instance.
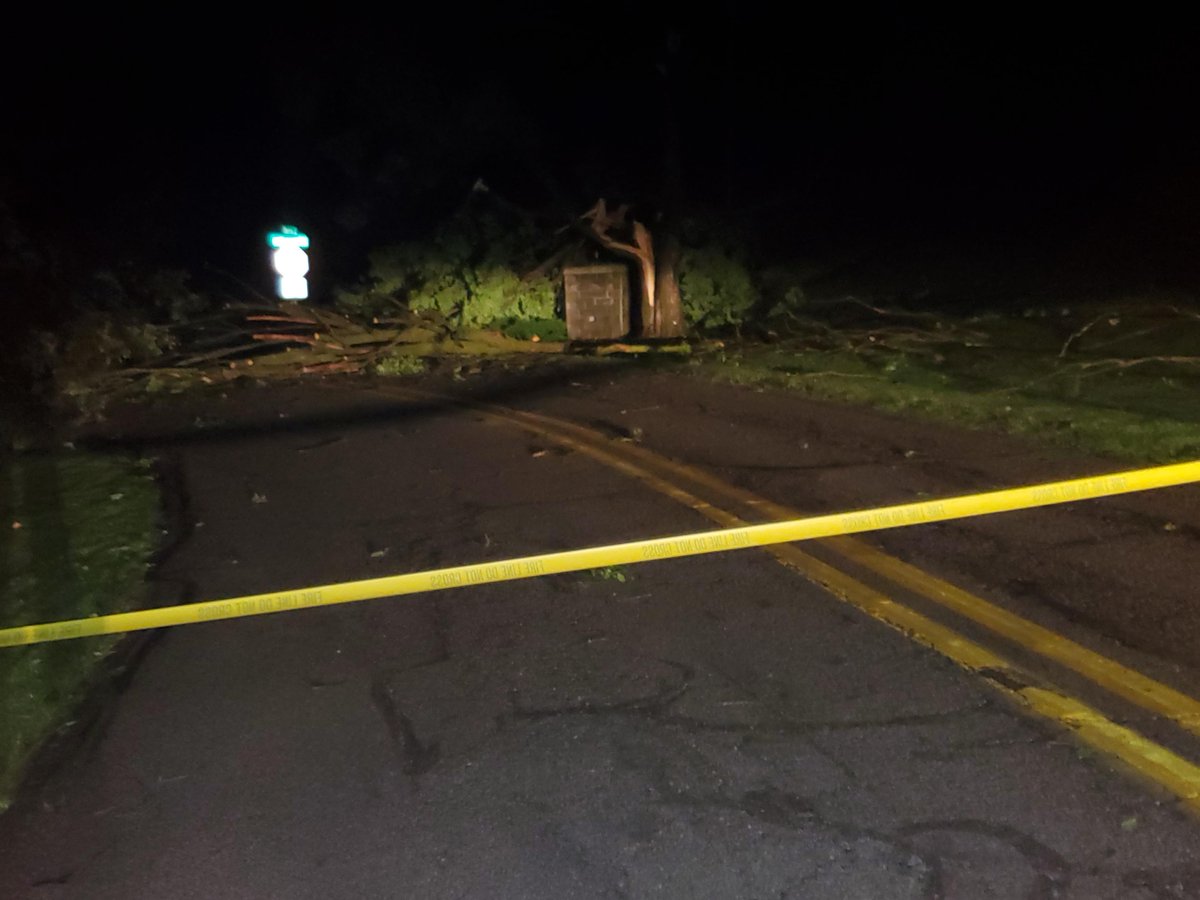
(290, 262)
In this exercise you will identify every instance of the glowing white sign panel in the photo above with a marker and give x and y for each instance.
(290, 262)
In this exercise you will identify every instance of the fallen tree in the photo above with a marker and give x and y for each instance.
(661, 305)
(282, 340)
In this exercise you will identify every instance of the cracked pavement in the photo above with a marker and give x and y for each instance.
(709, 727)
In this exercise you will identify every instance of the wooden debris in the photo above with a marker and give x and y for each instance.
(292, 339)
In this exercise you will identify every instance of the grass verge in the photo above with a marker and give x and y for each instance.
(76, 536)
(1121, 383)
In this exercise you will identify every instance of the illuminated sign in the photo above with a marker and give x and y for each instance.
(290, 262)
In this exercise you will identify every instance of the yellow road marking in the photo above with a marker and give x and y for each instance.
(1112, 676)
(1163, 767)
(669, 547)
(1117, 679)
(1150, 760)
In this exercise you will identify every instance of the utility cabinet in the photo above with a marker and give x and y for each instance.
(597, 302)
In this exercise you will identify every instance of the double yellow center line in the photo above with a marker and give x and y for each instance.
(686, 484)
(1160, 765)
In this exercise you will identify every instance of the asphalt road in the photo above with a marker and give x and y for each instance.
(708, 727)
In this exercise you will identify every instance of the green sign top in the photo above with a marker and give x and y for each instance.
(288, 235)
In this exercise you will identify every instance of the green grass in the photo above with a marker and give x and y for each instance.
(76, 535)
(1125, 387)
(552, 329)
(400, 364)
(609, 573)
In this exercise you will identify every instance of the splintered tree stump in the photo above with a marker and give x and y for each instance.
(661, 304)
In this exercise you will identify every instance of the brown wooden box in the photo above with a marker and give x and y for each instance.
(597, 302)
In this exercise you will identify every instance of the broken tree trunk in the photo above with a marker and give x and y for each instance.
(658, 319)
(667, 313)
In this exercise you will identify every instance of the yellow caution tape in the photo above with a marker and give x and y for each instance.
(803, 529)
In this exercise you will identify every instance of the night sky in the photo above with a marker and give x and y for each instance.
(133, 138)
